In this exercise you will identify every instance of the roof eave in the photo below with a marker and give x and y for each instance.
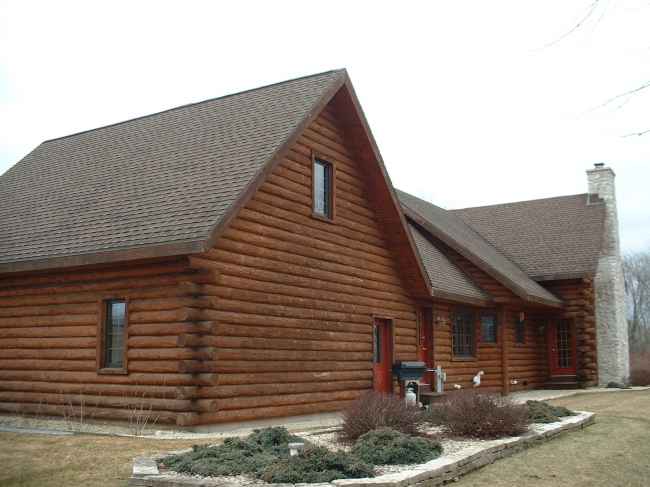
(391, 190)
(478, 261)
(437, 293)
(564, 276)
(104, 257)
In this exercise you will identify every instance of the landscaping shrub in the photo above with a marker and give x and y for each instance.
(274, 440)
(316, 465)
(640, 369)
(541, 412)
(378, 410)
(617, 385)
(479, 413)
(385, 446)
(235, 456)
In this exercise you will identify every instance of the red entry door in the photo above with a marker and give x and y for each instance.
(563, 349)
(382, 356)
(425, 344)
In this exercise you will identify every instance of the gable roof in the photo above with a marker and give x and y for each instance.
(447, 279)
(556, 238)
(454, 232)
(172, 182)
(166, 179)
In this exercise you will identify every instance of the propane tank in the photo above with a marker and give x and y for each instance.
(410, 396)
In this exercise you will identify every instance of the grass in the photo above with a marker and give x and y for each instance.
(78, 459)
(612, 452)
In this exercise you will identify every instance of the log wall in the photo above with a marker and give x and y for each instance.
(579, 295)
(275, 320)
(462, 370)
(49, 325)
(297, 294)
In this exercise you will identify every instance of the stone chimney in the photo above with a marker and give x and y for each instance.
(609, 286)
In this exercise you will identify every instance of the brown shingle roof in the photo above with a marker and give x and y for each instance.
(465, 240)
(447, 279)
(162, 180)
(547, 238)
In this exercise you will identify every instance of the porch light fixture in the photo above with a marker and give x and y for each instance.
(440, 320)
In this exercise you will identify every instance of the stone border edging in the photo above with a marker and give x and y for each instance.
(432, 473)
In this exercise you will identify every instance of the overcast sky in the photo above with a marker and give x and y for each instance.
(467, 105)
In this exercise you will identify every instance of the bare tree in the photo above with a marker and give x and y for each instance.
(636, 267)
(596, 11)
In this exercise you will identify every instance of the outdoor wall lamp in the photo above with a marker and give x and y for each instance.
(440, 320)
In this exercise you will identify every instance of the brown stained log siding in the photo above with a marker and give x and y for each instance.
(297, 294)
(48, 340)
(462, 371)
(579, 294)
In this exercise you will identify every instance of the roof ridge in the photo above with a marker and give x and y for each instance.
(192, 104)
(518, 202)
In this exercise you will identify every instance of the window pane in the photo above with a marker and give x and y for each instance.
(115, 314)
(463, 335)
(377, 350)
(489, 324)
(321, 188)
(520, 334)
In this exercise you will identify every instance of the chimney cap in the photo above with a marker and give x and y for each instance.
(599, 165)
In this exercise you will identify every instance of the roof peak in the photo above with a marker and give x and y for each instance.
(250, 90)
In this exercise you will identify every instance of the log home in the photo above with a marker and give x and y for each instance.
(247, 258)
(228, 260)
(526, 294)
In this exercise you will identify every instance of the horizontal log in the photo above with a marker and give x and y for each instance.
(284, 400)
(154, 366)
(146, 317)
(133, 378)
(249, 390)
(185, 419)
(123, 390)
(19, 364)
(188, 392)
(173, 354)
(291, 377)
(76, 413)
(162, 304)
(304, 325)
(49, 332)
(49, 353)
(48, 310)
(190, 327)
(257, 343)
(135, 404)
(56, 320)
(253, 366)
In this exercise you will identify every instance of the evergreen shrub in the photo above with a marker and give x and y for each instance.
(541, 412)
(385, 446)
(315, 465)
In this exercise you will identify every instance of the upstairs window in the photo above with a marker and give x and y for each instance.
(463, 337)
(323, 188)
(489, 327)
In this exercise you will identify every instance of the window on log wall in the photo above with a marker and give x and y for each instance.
(463, 339)
(489, 327)
(520, 331)
(112, 336)
(323, 187)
